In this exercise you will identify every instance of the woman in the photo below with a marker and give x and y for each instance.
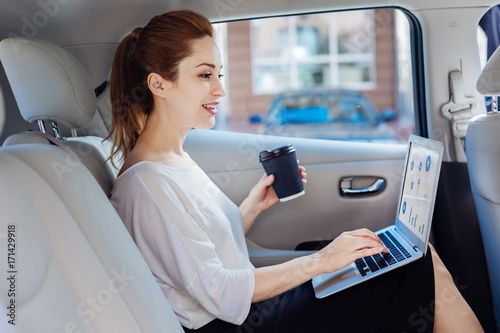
(166, 80)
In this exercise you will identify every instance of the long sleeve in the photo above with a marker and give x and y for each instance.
(191, 236)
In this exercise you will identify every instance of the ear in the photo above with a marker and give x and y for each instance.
(158, 85)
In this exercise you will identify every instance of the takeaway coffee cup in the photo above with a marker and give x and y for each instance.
(282, 163)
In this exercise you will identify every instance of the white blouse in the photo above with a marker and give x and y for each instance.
(191, 235)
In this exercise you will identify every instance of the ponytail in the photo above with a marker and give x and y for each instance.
(129, 96)
(159, 47)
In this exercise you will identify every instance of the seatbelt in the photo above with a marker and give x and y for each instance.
(459, 110)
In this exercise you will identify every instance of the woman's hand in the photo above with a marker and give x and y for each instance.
(345, 249)
(261, 198)
(348, 247)
(263, 193)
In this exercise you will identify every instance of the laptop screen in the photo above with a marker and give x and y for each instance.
(419, 187)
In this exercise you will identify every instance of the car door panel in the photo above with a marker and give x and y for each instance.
(323, 213)
(231, 161)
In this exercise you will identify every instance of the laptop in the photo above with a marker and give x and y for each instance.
(408, 238)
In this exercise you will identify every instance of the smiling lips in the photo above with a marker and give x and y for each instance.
(212, 108)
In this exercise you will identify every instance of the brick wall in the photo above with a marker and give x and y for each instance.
(384, 96)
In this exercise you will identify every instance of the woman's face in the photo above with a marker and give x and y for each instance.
(194, 97)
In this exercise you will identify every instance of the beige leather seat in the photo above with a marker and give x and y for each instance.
(50, 85)
(483, 160)
(68, 263)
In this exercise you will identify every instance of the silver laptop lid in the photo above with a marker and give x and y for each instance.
(418, 189)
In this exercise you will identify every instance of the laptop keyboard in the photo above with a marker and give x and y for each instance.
(373, 263)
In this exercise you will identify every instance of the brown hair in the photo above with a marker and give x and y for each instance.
(159, 47)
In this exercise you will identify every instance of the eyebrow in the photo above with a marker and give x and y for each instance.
(207, 64)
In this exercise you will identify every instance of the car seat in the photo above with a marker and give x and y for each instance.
(483, 160)
(50, 85)
(68, 263)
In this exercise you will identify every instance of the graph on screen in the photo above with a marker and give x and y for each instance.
(418, 189)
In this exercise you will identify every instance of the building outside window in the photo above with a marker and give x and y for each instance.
(313, 50)
(365, 50)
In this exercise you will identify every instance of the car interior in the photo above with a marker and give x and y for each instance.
(69, 264)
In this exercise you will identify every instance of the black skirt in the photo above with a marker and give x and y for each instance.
(399, 301)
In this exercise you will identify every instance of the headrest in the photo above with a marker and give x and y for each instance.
(2, 112)
(48, 82)
(488, 83)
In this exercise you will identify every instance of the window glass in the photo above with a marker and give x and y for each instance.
(349, 74)
(311, 75)
(338, 47)
(355, 33)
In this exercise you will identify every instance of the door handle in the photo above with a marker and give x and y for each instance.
(347, 190)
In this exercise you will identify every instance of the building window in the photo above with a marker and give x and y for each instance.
(332, 49)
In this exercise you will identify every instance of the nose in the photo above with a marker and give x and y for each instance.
(218, 89)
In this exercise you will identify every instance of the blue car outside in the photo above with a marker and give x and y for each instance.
(334, 114)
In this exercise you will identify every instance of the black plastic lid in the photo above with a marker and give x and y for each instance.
(272, 153)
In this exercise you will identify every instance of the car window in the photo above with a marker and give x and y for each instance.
(340, 75)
